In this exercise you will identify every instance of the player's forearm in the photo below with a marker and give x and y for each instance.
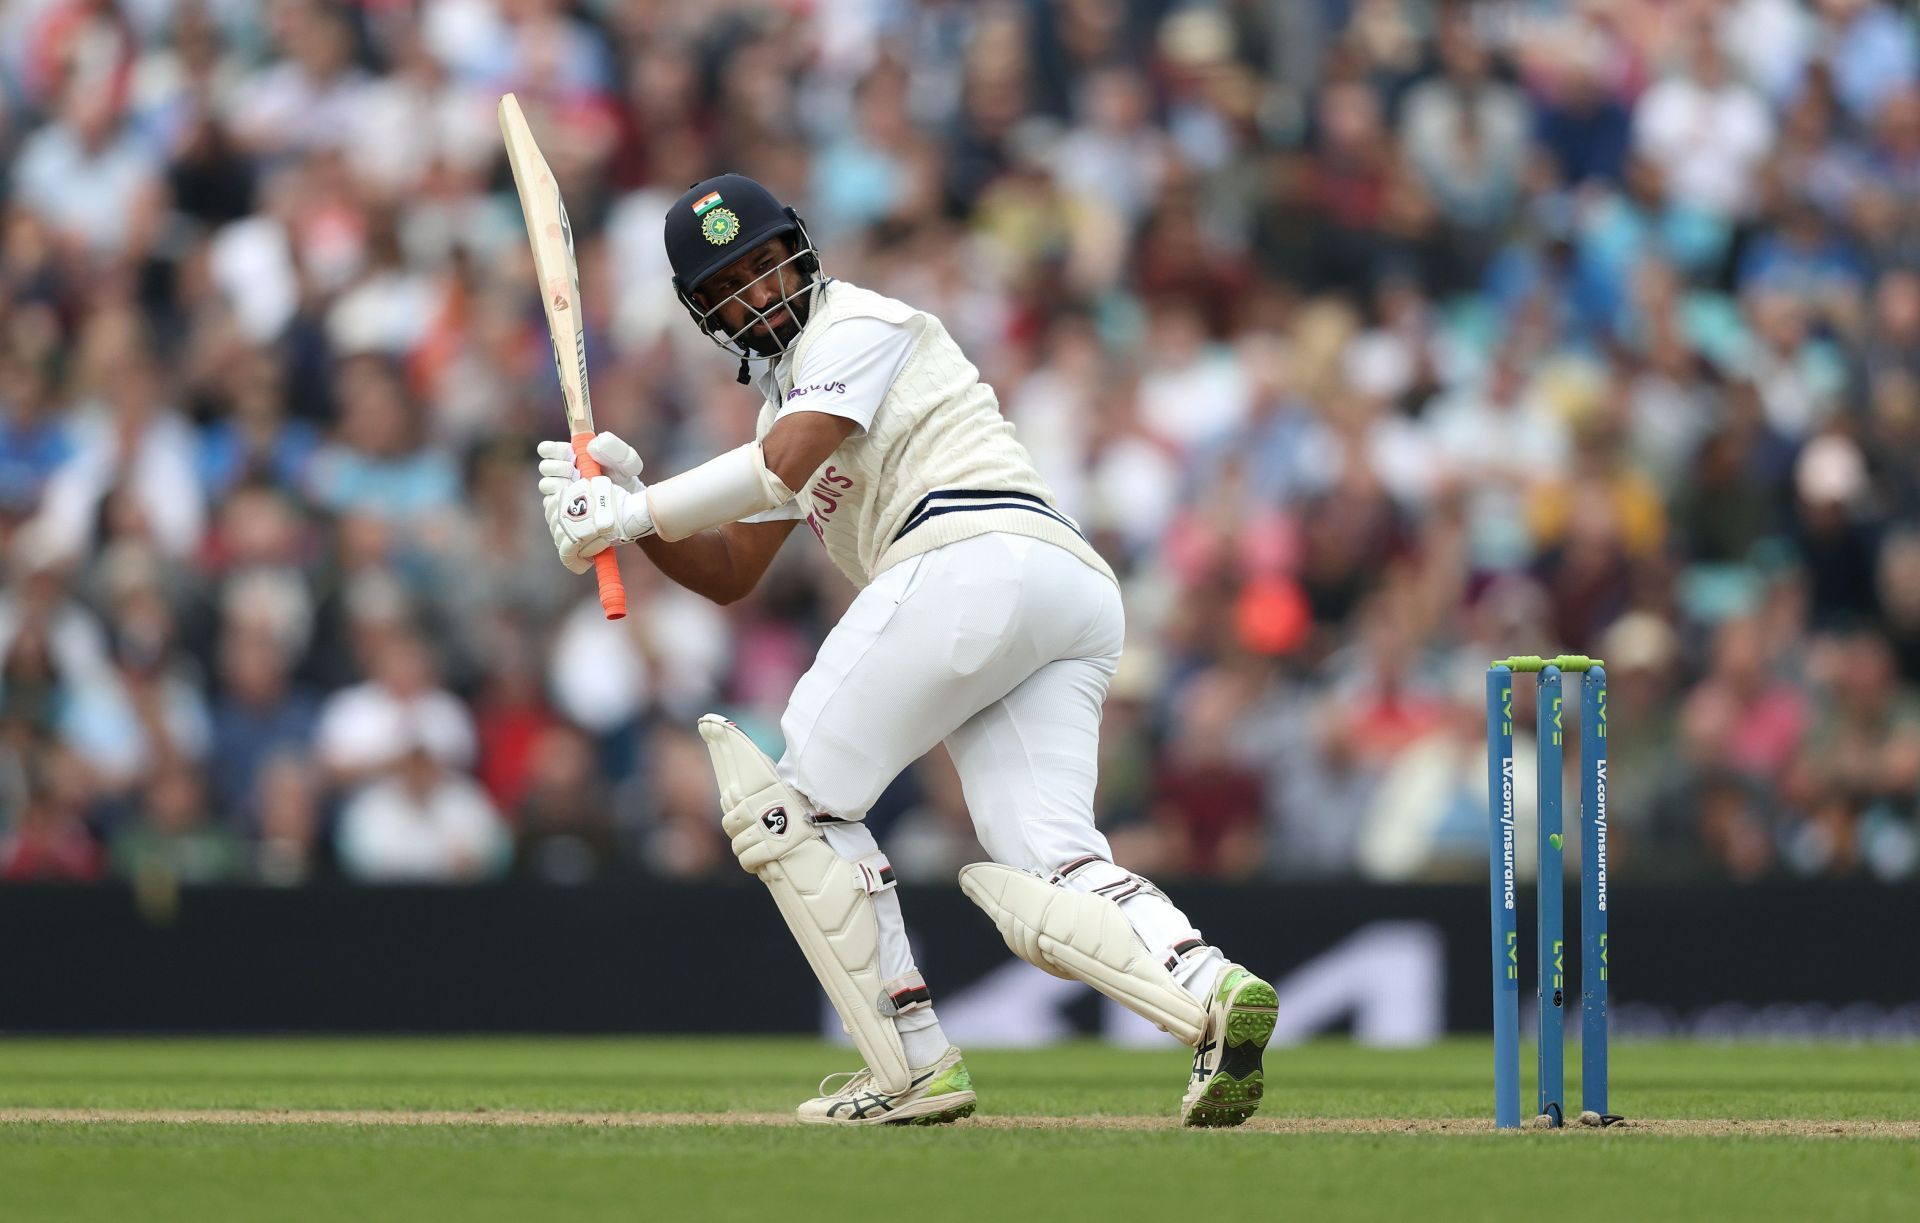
(703, 563)
(723, 564)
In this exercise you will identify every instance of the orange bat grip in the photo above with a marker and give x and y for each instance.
(606, 567)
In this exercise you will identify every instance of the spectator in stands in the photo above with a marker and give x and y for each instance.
(132, 471)
(1838, 531)
(176, 838)
(34, 440)
(288, 849)
(145, 713)
(1855, 784)
(420, 822)
(1897, 583)
(51, 841)
(671, 817)
(1706, 130)
(310, 98)
(376, 465)
(1580, 124)
(1742, 718)
(399, 709)
(563, 823)
(261, 713)
(1208, 804)
(1466, 133)
(1869, 49)
(90, 180)
(1499, 444)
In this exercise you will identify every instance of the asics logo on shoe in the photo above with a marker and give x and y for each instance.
(872, 1103)
(1200, 1058)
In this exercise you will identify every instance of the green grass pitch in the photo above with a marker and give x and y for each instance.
(478, 1129)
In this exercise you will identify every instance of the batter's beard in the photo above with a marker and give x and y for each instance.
(773, 345)
(786, 332)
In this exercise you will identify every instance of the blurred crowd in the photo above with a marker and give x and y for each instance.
(1369, 339)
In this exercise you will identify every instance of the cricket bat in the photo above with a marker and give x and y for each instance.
(551, 236)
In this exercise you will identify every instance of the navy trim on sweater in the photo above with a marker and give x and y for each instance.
(931, 506)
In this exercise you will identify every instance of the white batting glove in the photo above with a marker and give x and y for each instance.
(562, 542)
(621, 465)
(594, 515)
(618, 461)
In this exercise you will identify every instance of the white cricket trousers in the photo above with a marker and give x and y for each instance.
(1001, 647)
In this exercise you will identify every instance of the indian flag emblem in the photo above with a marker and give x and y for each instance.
(709, 200)
(720, 226)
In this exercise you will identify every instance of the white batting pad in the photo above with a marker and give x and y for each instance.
(827, 901)
(1084, 937)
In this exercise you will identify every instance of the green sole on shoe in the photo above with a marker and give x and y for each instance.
(1233, 1094)
(940, 1118)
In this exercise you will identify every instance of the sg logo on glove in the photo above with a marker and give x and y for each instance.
(577, 508)
(776, 821)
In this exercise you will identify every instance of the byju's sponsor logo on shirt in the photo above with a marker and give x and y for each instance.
(817, 388)
(827, 492)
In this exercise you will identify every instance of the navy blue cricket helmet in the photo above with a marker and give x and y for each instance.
(717, 221)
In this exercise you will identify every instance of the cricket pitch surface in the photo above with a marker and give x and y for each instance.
(686, 1128)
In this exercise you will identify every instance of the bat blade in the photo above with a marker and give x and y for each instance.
(550, 234)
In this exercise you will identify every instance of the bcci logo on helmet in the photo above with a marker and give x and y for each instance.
(719, 226)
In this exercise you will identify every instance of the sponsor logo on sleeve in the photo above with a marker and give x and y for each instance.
(817, 388)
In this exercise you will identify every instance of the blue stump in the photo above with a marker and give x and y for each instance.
(1593, 892)
(1551, 929)
(1502, 888)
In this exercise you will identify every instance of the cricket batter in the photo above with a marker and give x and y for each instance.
(984, 621)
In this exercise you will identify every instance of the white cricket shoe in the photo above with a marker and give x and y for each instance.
(939, 1093)
(1227, 1080)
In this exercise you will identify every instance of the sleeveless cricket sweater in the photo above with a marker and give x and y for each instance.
(939, 463)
